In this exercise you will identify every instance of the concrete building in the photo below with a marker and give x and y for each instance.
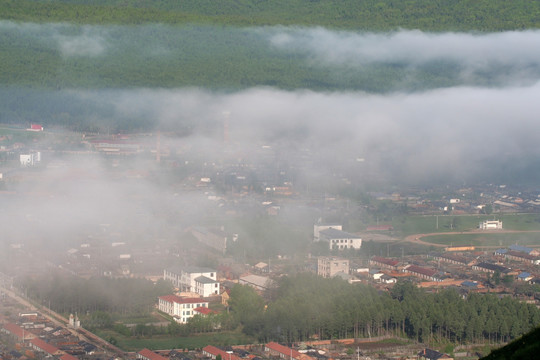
(490, 225)
(340, 240)
(205, 286)
(328, 267)
(202, 281)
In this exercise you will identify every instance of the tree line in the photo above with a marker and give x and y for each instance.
(306, 306)
(67, 294)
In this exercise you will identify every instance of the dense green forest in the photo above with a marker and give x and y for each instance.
(62, 56)
(306, 305)
(70, 294)
(432, 15)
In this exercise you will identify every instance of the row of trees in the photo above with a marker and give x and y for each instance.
(491, 15)
(305, 306)
(70, 294)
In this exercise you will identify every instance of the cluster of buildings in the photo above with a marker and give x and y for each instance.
(37, 337)
(476, 271)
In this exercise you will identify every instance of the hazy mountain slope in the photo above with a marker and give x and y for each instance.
(433, 15)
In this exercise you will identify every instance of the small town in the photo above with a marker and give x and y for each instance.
(198, 252)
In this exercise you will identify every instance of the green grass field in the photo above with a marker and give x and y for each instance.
(163, 342)
(409, 225)
(502, 240)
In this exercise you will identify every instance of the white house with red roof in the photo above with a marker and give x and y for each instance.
(18, 332)
(146, 354)
(40, 345)
(285, 352)
(181, 308)
(213, 352)
(35, 127)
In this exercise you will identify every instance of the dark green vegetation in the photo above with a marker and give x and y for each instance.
(62, 56)
(103, 297)
(335, 309)
(524, 348)
(438, 15)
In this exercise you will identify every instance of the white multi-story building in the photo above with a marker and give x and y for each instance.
(30, 159)
(329, 266)
(202, 281)
(205, 286)
(180, 308)
(339, 240)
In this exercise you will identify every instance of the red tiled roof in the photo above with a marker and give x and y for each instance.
(421, 270)
(46, 347)
(204, 310)
(149, 354)
(68, 357)
(217, 351)
(283, 350)
(18, 331)
(182, 300)
(385, 261)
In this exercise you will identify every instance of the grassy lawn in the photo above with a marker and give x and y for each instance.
(502, 240)
(141, 319)
(163, 342)
(408, 225)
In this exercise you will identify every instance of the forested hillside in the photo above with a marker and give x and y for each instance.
(376, 15)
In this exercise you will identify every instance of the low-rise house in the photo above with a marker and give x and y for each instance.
(523, 257)
(284, 352)
(423, 273)
(430, 354)
(524, 249)
(260, 283)
(17, 332)
(490, 268)
(146, 354)
(525, 276)
(213, 352)
(384, 262)
(453, 259)
(40, 345)
(387, 279)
